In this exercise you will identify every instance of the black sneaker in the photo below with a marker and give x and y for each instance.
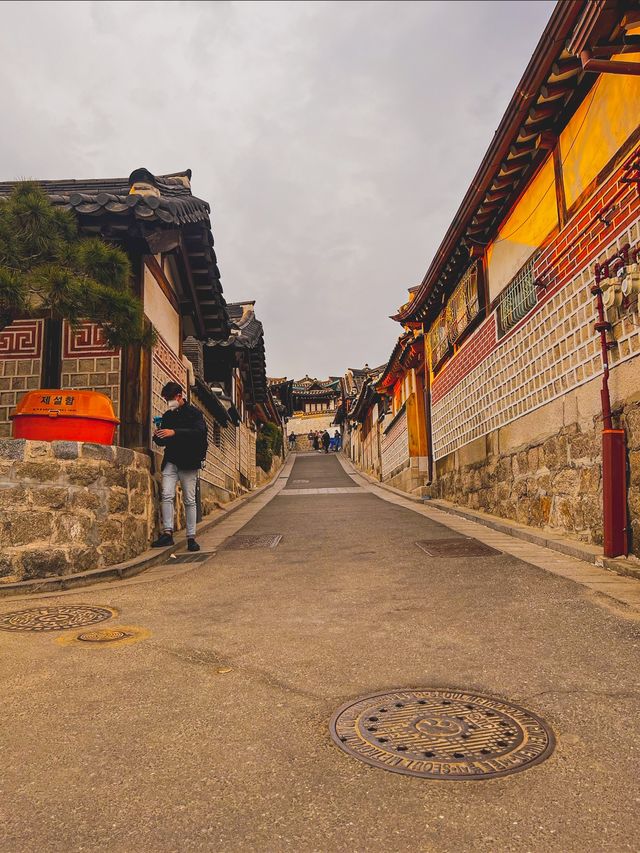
(192, 545)
(163, 540)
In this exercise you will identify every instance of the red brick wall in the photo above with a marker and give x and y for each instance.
(576, 245)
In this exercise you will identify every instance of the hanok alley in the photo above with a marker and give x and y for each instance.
(513, 388)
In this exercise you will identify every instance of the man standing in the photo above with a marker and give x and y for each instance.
(183, 434)
(326, 440)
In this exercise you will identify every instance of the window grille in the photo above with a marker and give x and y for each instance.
(217, 434)
(518, 298)
(438, 340)
(463, 305)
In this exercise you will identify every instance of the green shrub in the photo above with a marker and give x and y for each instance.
(268, 445)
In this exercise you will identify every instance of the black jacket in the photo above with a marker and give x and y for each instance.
(188, 447)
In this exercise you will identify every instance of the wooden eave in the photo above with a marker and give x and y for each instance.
(505, 169)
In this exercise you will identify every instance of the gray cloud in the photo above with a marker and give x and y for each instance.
(334, 141)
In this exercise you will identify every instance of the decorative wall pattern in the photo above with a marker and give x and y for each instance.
(87, 363)
(22, 339)
(553, 351)
(88, 340)
(20, 365)
(395, 446)
(166, 366)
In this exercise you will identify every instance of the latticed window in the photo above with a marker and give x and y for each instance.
(518, 297)
(463, 304)
(438, 339)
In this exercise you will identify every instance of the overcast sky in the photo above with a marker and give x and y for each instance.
(334, 141)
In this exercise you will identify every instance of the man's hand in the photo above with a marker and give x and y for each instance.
(165, 433)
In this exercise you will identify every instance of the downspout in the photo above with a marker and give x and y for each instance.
(607, 66)
(614, 452)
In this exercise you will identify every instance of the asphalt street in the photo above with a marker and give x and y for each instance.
(207, 727)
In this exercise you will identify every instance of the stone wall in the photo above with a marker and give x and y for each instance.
(69, 506)
(553, 482)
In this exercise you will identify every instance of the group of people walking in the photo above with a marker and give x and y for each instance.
(320, 440)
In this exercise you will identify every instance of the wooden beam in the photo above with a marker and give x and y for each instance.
(163, 282)
(185, 265)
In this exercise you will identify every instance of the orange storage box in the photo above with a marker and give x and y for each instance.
(54, 414)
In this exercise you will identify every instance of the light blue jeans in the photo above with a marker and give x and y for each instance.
(170, 476)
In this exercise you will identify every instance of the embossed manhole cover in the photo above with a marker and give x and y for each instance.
(103, 636)
(244, 542)
(458, 547)
(54, 618)
(441, 734)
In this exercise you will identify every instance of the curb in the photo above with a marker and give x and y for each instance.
(554, 542)
(135, 566)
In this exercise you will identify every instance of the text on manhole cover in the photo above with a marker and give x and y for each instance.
(441, 734)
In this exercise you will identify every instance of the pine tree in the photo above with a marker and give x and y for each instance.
(48, 270)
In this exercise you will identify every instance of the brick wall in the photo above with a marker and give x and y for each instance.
(166, 366)
(88, 363)
(492, 382)
(20, 365)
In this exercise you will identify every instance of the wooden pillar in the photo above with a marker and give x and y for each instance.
(52, 354)
(135, 406)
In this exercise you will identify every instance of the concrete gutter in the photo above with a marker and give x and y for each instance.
(628, 566)
(135, 566)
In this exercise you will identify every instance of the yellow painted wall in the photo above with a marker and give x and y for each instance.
(602, 124)
(531, 220)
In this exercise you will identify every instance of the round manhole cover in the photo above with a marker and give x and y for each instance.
(54, 618)
(441, 734)
(103, 636)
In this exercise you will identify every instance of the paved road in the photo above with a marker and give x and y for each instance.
(211, 733)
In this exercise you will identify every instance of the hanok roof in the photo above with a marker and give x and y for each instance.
(247, 341)
(552, 87)
(162, 210)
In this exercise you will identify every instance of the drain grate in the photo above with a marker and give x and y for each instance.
(441, 734)
(458, 547)
(103, 636)
(301, 481)
(199, 557)
(54, 618)
(243, 543)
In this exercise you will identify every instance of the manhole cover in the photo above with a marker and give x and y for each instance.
(246, 542)
(103, 636)
(192, 558)
(54, 618)
(441, 734)
(458, 547)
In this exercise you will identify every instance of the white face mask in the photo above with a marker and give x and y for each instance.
(172, 404)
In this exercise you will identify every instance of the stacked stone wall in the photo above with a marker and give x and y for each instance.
(69, 506)
(553, 482)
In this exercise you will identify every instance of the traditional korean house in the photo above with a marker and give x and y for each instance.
(529, 309)
(166, 232)
(315, 396)
(236, 369)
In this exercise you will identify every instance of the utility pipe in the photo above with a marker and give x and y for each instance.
(607, 66)
(614, 455)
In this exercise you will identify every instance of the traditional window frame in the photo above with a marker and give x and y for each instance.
(518, 298)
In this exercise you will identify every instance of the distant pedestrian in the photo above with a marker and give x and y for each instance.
(326, 440)
(183, 434)
(316, 441)
(338, 440)
(292, 441)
